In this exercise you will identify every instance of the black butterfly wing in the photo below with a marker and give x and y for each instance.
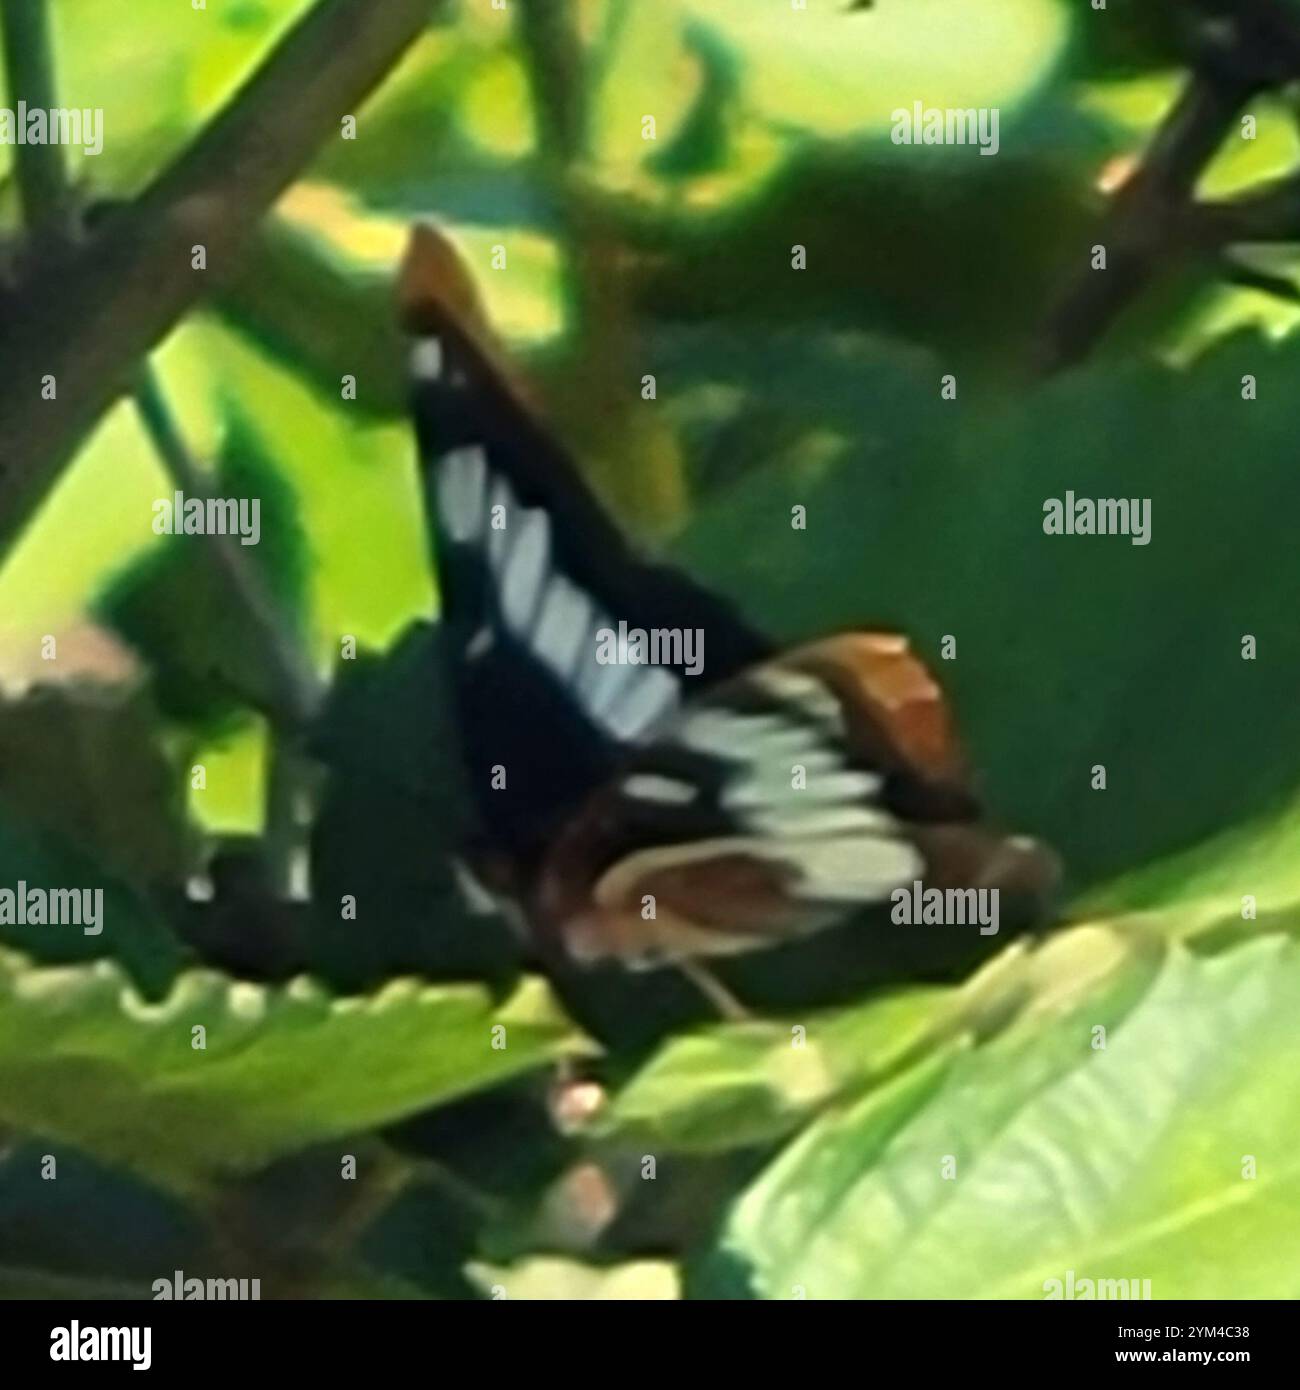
(532, 573)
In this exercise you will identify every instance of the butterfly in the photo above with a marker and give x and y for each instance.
(723, 797)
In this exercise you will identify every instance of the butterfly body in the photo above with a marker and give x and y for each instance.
(651, 813)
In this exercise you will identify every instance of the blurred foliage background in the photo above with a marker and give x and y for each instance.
(788, 1163)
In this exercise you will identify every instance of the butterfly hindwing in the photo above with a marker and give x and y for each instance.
(745, 819)
(783, 787)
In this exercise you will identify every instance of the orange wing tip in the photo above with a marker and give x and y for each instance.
(435, 287)
(882, 678)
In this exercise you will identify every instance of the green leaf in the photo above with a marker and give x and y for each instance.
(393, 814)
(138, 1232)
(1120, 1163)
(913, 506)
(737, 1084)
(734, 1085)
(836, 73)
(1202, 894)
(134, 931)
(84, 1060)
(820, 72)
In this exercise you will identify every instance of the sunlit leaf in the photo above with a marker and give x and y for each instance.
(84, 1060)
(1165, 1155)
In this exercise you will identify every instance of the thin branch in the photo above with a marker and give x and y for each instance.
(298, 691)
(554, 61)
(1137, 232)
(87, 315)
(549, 37)
(29, 77)
(1246, 47)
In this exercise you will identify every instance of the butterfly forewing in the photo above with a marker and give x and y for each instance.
(535, 580)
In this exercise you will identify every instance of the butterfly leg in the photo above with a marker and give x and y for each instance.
(722, 999)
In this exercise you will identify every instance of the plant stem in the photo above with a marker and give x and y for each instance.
(298, 690)
(29, 77)
(548, 34)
